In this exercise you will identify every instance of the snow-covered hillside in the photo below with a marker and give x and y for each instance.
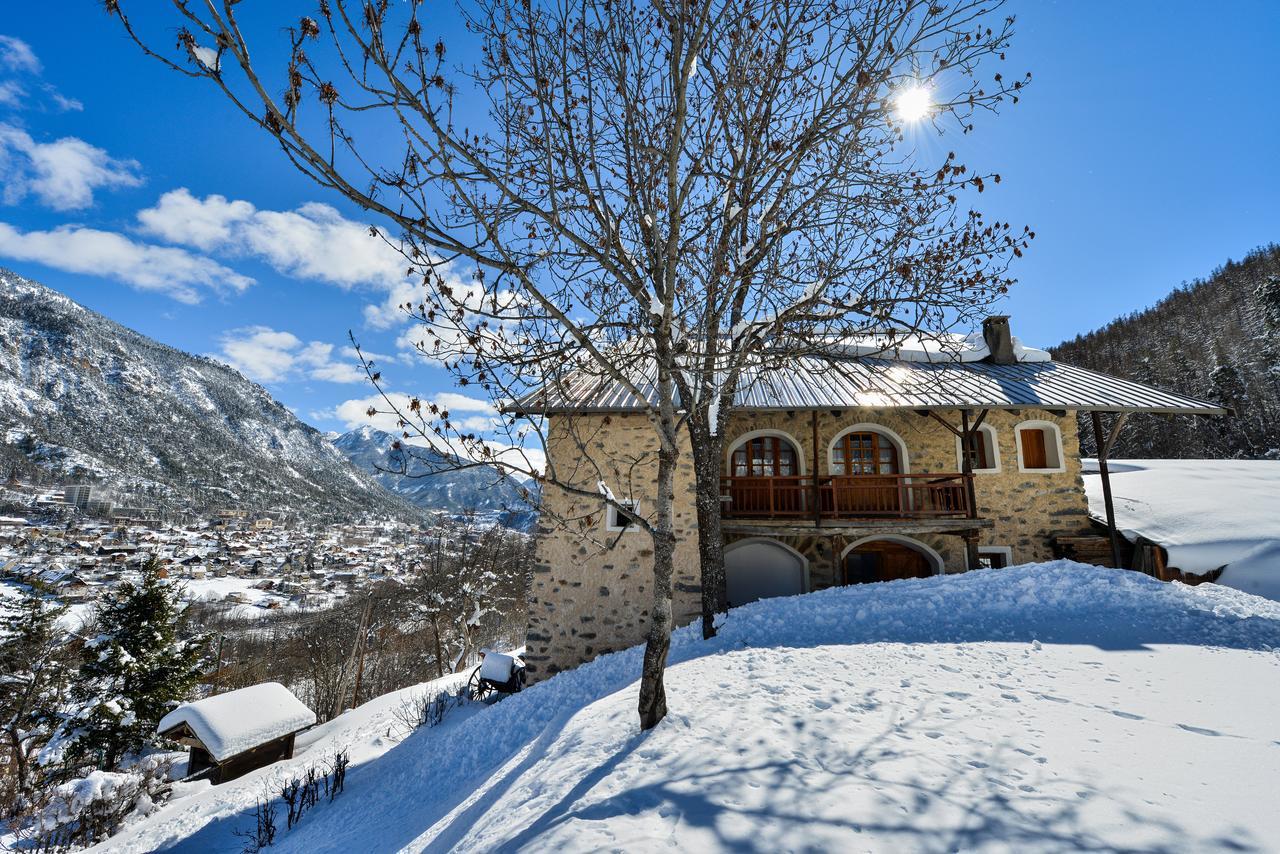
(1041, 708)
(84, 397)
(1206, 513)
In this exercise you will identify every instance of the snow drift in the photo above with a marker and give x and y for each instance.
(1045, 707)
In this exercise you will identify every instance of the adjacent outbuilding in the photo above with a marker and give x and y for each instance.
(231, 734)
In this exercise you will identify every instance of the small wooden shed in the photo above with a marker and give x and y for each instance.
(233, 733)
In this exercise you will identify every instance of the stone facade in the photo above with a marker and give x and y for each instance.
(591, 592)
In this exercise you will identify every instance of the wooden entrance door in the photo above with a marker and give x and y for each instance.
(859, 461)
(885, 560)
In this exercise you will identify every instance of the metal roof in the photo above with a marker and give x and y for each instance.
(811, 382)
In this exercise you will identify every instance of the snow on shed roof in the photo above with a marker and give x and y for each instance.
(818, 382)
(231, 723)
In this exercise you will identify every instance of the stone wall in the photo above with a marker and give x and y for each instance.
(591, 587)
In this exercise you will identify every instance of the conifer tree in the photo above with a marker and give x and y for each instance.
(34, 670)
(134, 670)
(1267, 296)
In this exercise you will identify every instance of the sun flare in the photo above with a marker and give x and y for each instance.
(913, 103)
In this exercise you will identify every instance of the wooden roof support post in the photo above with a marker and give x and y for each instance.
(1104, 449)
(966, 460)
(817, 492)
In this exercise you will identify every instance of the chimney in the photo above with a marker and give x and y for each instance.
(995, 331)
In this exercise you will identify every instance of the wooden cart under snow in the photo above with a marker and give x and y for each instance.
(231, 734)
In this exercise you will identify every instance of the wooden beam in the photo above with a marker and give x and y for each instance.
(966, 464)
(1104, 446)
(971, 555)
(1114, 433)
(858, 528)
(817, 495)
(936, 417)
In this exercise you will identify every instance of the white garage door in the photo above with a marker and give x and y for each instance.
(760, 571)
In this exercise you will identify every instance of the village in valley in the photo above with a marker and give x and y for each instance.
(78, 547)
(639, 426)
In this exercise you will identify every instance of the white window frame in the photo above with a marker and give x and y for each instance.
(611, 516)
(994, 447)
(1007, 551)
(1056, 446)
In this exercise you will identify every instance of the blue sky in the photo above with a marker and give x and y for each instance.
(1145, 154)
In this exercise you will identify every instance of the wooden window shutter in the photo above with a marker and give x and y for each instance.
(1033, 451)
(977, 450)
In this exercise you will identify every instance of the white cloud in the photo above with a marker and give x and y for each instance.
(62, 102)
(179, 217)
(17, 55)
(455, 402)
(163, 269)
(11, 93)
(313, 242)
(269, 355)
(62, 174)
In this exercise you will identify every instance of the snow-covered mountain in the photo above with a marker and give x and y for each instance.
(82, 397)
(1044, 708)
(429, 483)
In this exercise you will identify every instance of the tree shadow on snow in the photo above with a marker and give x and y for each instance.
(977, 800)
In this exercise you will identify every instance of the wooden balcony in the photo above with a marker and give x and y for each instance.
(848, 497)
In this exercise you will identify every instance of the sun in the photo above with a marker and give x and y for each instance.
(913, 103)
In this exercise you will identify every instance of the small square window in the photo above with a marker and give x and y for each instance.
(617, 521)
(994, 557)
(1039, 448)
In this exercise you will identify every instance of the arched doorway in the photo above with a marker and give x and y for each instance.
(865, 465)
(762, 569)
(888, 559)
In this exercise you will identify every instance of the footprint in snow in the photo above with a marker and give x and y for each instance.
(1130, 716)
(1199, 730)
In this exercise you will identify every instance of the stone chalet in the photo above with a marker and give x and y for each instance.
(866, 465)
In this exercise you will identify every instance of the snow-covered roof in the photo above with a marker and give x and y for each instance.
(939, 348)
(231, 723)
(1207, 514)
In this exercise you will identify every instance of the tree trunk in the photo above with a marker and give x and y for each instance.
(435, 631)
(706, 469)
(653, 693)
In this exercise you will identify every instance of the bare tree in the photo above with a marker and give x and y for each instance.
(637, 193)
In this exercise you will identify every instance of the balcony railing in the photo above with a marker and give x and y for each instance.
(891, 496)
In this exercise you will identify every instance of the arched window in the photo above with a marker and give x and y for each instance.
(765, 456)
(983, 450)
(864, 453)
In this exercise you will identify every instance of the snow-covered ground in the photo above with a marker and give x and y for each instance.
(1048, 707)
(1206, 513)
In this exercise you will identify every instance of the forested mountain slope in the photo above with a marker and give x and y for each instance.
(432, 481)
(1216, 338)
(84, 398)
